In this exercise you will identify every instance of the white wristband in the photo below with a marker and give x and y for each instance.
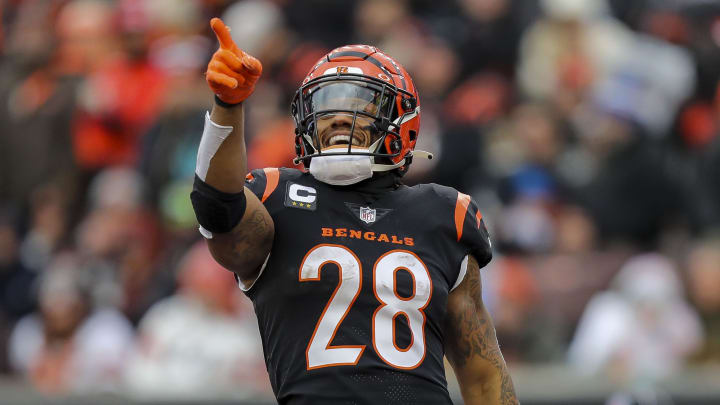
(212, 137)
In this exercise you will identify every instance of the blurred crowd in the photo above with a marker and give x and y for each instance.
(586, 130)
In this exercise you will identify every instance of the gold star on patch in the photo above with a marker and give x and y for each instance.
(294, 203)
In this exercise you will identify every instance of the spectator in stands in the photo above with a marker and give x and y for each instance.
(37, 99)
(16, 280)
(118, 243)
(641, 330)
(202, 341)
(703, 271)
(69, 346)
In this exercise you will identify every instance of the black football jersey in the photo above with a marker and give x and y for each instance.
(352, 298)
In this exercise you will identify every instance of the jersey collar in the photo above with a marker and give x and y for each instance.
(378, 184)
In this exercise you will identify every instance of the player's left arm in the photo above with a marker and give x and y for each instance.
(472, 347)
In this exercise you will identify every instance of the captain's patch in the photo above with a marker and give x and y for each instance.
(299, 196)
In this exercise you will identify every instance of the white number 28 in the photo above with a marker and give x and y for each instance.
(320, 353)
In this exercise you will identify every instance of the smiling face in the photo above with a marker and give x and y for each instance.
(339, 102)
(334, 131)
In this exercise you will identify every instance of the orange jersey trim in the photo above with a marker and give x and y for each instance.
(478, 216)
(273, 177)
(461, 207)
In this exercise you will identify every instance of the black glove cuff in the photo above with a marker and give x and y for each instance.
(224, 104)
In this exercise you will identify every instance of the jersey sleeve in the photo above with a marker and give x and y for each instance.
(471, 231)
(463, 233)
(263, 182)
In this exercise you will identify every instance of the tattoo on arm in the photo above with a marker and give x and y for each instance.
(249, 236)
(244, 249)
(471, 334)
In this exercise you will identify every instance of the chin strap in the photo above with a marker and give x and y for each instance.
(415, 153)
(422, 154)
(376, 167)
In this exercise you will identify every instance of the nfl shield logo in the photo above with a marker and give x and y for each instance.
(367, 214)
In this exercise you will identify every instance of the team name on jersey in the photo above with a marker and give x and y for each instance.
(366, 235)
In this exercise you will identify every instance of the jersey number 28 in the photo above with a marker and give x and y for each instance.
(320, 353)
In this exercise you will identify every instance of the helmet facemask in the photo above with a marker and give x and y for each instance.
(350, 114)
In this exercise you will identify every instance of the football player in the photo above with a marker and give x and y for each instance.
(361, 284)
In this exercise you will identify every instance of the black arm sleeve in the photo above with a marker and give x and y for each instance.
(216, 211)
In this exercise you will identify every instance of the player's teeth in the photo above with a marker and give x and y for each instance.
(343, 138)
(339, 138)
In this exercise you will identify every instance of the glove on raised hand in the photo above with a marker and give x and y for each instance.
(231, 73)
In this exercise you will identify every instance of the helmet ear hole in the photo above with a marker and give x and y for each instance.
(395, 146)
(392, 144)
(409, 104)
(413, 135)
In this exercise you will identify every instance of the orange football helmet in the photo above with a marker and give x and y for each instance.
(359, 80)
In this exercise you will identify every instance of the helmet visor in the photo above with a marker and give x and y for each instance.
(347, 96)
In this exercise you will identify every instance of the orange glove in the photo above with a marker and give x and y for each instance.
(231, 73)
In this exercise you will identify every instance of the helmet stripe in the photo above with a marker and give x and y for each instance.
(362, 55)
(369, 58)
(402, 77)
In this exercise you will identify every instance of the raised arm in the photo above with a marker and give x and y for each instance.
(472, 347)
(238, 227)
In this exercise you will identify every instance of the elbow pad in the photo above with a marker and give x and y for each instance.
(216, 211)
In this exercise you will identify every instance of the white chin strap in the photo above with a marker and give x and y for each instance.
(340, 169)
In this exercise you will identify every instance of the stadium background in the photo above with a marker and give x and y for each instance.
(586, 130)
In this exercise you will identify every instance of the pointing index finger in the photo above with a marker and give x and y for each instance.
(222, 32)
